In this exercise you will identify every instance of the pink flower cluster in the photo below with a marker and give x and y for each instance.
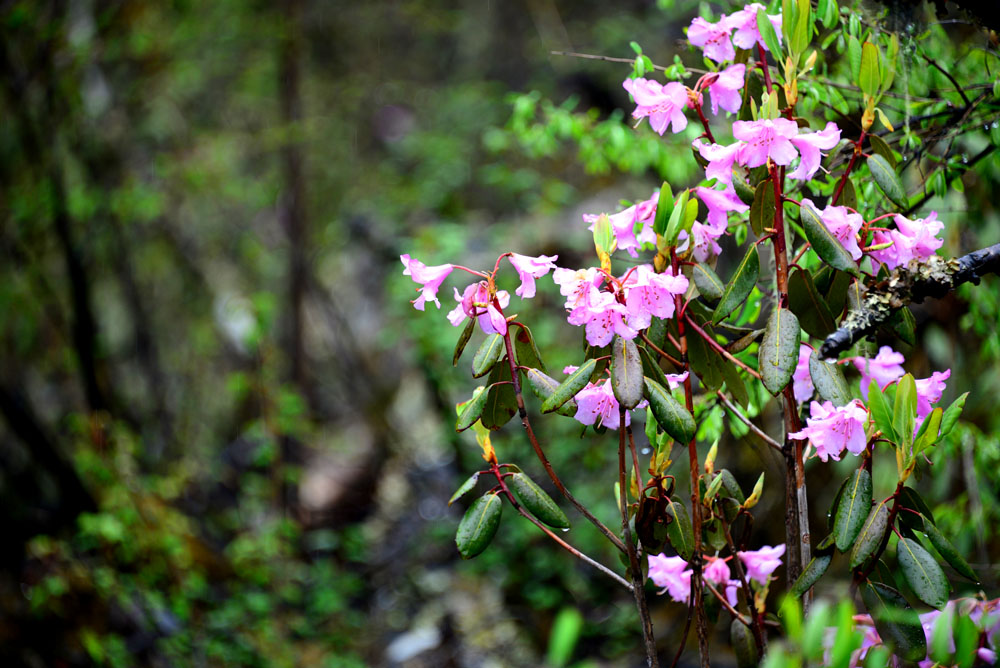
(625, 310)
(830, 429)
(912, 239)
(623, 225)
(887, 367)
(740, 28)
(842, 224)
(674, 577)
(663, 104)
(597, 404)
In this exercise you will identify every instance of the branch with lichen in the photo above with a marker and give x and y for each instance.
(912, 283)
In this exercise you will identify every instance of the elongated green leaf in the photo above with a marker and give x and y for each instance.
(896, 622)
(882, 148)
(881, 412)
(903, 325)
(704, 360)
(948, 551)
(464, 488)
(479, 525)
(887, 180)
(537, 501)
(463, 340)
(779, 350)
(664, 207)
(854, 507)
(740, 286)
(766, 29)
(871, 535)
(707, 281)
(813, 571)
(575, 382)
(679, 531)
(670, 415)
(849, 196)
(904, 410)
(828, 379)
(473, 409)
(626, 372)
(928, 434)
(869, 78)
(743, 645)
(651, 368)
(908, 498)
(831, 514)
(808, 306)
(828, 247)
(735, 384)
(526, 350)
(922, 573)
(501, 400)
(742, 343)
(952, 413)
(565, 634)
(743, 191)
(487, 356)
(854, 56)
(544, 386)
(676, 218)
(762, 209)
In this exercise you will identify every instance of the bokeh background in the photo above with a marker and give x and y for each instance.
(226, 436)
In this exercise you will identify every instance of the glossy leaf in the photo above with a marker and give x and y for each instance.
(743, 191)
(770, 37)
(543, 386)
(473, 409)
(831, 514)
(952, 413)
(827, 246)
(742, 343)
(679, 531)
(896, 622)
(734, 383)
(743, 645)
(463, 340)
(854, 507)
(526, 350)
(676, 218)
(927, 435)
(537, 501)
(869, 77)
(904, 410)
(704, 360)
(948, 551)
(871, 535)
(887, 180)
(707, 281)
(651, 368)
(487, 356)
(880, 410)
(828, 379)
(740, 286)
(880, 147)
(922, 573)
(670, 415)
(479, 525)
(909, 498)
(575, 382)
(626, 372)
(763, 208)
(813, 571)
(808, 305)
(501, 400)
(664, 207)
(464, 488)
(779, 350)
(849, 195)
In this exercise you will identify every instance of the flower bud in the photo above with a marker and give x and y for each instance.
(754, 497)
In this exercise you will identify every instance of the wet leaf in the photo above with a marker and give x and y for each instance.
(827, 246)
(626, 372)
(887, 180)
(537, 501)
(828, 379)
(813, 571)
(922, 573)
(808, 305)
(740, 286)
(670, 415)
(464, 488)
(526, 350)
(501, 400)
(948, 551)
(679, 531)
(487, 356)
(779, 350)
(473, 409)
(896, 622)
(463, 340)
(854, 507)
(575, 382)
(479, 525)
(871, 535)
(543, 386)
(707, 281)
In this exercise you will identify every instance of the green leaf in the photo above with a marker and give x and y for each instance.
(869, 79)
(543, 386)
(735, 384)
(831, 514)
(896, 622)
(487, 356)
(942, 636)
(854, 57)
(813, 571)
(779, 350)
(664, 207)
(889, 63)
(871, 535)
(479, 525)
(740, 286)
(770, 37)
(679, 531)
(952, 414)
(669, 414)
(887, 180)
(473, 409)
(948, 551)
(966, 641)
(743, 191)
(501, 400)
(880, 411)
(704, 360)
(651, 368)
(928, 434)
(854, 507)
(922, 573)
(808, 306)
(566, 630)
(537, 501)
(464, 488)
(762, 209)
(849, 195)
(526, 350)
(742, 343)
(904, 411)
(904, 325)
(463, 340)
(676, 218)
(626, 372)
(908, 498)
(743, 645)
(827, 246)
(828, 379)
(707, 281)
(881, 148)
(575, 382)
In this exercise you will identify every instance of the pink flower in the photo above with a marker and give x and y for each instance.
(663, 104)
(720, 160)
(596, 404)
(809, 145)
(623, 223)
(605, 317)
(530, 268)
(713, 38)
(705, 241)
(802, 384)
(672, 574)
(744, 22)
(475, 302)
(885, 368)
(648, 294)
(674, 380)
(716, 570)
(842, 224)
(913, 239)
(929, 391)
(719, 204)
(725, 90)
(831, 429)
(430, 279)
(579, 288)
(766, 139)
(761, 563)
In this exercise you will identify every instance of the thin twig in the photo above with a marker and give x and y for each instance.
(745, 420)
(658, 351)
(719, 348)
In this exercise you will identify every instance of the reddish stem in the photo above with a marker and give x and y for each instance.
(850, 166)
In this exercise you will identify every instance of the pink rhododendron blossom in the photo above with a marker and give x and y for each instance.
(664, 104)
(648, 294)
(761, 563)
(719, 204)
(475, 302)
(672, 575)
(810, 144)
(530, 268)
(886, 367)
(725, 91)
(606, 317)
(705, 241)
(674, 380)
(831, 429)
(716, 570)
(596, 404)
(430, 279)
(744, 22)
(579, 288)
(766, 139)
(842, 224)
(912, 239)
(623, 223)
(802, 384)
(713, 38)
(929, 391)
(720, 160)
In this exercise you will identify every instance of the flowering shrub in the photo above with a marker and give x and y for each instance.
(838, 264)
